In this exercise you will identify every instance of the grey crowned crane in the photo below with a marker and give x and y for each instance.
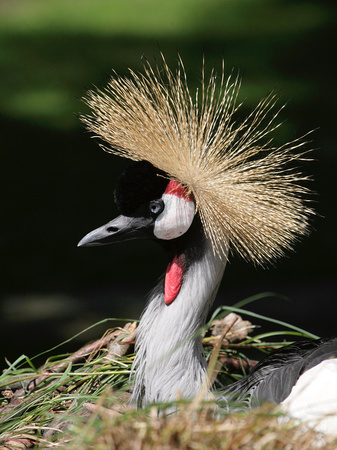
(201, 184)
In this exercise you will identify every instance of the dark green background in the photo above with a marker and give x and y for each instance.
(57, 184)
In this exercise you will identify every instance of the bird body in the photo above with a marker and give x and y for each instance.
(203, 186)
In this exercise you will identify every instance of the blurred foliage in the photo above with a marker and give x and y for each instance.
(51, 50)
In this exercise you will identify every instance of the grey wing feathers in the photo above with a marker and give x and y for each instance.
(274, 377)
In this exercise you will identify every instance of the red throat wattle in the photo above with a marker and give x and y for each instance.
(173, 278)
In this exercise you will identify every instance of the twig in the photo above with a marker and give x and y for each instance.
(212, 368)
(224, 344)
(88, 349)
(31, 383)
(214, 365)
(59, 367)
(233, 364)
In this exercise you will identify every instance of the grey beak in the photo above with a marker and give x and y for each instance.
(120, 229)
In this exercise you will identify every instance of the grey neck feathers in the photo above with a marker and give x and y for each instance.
(169, 359)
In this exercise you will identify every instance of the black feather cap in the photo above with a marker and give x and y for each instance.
(138, 184)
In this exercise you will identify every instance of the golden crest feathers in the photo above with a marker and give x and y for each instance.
(247, 196)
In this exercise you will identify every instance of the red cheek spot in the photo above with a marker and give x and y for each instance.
(175, 188)
(173, 278)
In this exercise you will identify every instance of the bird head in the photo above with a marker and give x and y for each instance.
(249, 194)
(152, 206)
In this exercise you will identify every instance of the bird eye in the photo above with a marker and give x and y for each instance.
(156, 207)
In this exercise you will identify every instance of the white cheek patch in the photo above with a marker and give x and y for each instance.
(178, 213)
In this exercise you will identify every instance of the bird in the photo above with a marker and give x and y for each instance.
(205, 184)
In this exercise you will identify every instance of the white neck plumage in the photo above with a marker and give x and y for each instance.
(169, 359)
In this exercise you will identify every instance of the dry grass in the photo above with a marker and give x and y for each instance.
(193, 427)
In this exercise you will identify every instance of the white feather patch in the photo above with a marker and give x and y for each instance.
(313, 400)
(176, 218)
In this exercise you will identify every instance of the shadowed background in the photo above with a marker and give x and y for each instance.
(57, 184)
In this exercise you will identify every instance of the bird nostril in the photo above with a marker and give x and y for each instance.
(112, 229)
